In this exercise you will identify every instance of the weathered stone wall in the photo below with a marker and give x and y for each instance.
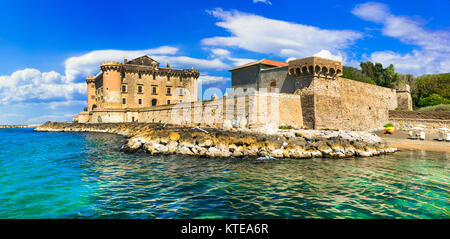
(403, 114)
(279, 75)
(404, 100)
(253, 111)
(351, 105)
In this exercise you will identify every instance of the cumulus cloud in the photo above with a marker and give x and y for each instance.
(434, 53)
(31, 85)
(88, 64)
(286, 39)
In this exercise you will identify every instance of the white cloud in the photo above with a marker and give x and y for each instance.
(434, 53)
(263, 1)
(286, 39)
(52, 117)
(328, 55)
(89, 64)
(33, 85)
(207, 79)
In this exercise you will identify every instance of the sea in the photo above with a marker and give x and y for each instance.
(84, 175)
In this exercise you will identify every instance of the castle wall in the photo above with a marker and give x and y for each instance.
(351, 105)
(404, 100)
(279, 75)
(259, 110)
(245, 77)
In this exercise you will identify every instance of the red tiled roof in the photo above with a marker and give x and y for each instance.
(264, 62)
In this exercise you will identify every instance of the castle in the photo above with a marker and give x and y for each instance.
(301, 93)
(139, 83)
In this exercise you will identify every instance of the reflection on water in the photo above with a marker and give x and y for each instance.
(110, 184)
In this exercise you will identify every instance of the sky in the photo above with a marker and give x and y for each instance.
(47, 48)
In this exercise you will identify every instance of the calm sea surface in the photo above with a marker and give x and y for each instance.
(83, 175)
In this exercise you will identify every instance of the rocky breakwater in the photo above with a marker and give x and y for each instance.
(213, 142)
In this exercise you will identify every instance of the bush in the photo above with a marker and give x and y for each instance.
(433, 99)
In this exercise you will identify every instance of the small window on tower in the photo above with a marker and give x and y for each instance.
(124, 88)
(140, 89)
(140, 101)
(140, 76)
(154, 90)
(168, 102)
(168, 91)
(124, 101)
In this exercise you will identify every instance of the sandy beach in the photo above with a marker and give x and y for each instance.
(400, 140)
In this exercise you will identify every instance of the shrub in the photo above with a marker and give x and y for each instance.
(433, 99)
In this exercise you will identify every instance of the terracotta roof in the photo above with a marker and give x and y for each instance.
(264, 62)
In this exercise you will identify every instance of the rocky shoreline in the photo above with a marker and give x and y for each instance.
(213, 142)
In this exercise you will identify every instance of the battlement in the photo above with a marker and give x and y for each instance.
(315, 66)
(110, 63)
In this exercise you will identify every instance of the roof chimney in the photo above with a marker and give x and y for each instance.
(125, 60)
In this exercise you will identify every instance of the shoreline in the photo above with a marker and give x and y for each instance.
(214, 142)
(400, 140)
(19, 126)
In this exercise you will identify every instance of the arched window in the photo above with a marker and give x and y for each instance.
(272, 86)
(154, 101)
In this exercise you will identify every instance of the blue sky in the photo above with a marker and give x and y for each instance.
(47, 48)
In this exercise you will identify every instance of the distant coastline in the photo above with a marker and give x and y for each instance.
(18, 126)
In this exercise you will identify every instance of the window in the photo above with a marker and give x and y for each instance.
(181, 92)
(140, 101)
(168, 91)
(140, 89)
(107, 89)
(140, 76)
(92, 96)
(168, 102)
(122, 74)
(181, 79)
(154, 90)
(124, 89)
(154, 101)
(154, 76)
(124, 101)
(168, 78)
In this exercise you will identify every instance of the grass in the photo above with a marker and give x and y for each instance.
(441, 107)
(285, 127)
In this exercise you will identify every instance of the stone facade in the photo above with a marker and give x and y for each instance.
(140, 83)
(404, 100)
(255, 110)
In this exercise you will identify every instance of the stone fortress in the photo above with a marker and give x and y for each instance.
(303, 93)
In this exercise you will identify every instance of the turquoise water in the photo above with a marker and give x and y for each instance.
(83, 175)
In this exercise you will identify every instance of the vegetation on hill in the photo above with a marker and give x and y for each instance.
(426, 90)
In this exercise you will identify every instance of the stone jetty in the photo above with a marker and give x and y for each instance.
(214, 142)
